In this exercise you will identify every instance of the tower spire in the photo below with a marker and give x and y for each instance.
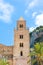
(21, 18)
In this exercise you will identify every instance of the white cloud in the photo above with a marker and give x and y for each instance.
(31, 29)
(5, 11)
(34, 14)
(39, 19)
(34, 5)
(26, 11)
(30, 5)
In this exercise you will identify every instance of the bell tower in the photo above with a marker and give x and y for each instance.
(21, 43)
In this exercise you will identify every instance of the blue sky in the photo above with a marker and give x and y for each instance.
(12, 10)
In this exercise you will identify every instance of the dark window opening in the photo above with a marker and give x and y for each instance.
(21, 25)
(21, 44)
(21, 36)
(21, 53)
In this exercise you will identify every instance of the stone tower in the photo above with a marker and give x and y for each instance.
(21, 43)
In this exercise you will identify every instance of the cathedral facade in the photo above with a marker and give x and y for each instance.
(17, 54)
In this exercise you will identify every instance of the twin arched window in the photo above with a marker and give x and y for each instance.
(21, 44)
(21, 25)
(21, 36)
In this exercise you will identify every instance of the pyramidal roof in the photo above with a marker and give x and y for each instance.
(21, 18)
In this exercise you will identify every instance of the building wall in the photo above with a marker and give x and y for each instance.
(18, 59)
(13, 53)
(25, 42)
(7, 53)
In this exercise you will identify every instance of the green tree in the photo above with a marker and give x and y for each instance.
(3, 62)
(37, 54)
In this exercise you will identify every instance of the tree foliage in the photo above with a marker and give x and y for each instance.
(36, 35)
(37, 54)
(3, 62)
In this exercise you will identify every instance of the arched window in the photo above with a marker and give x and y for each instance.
(21, 53)
(21, 25)
(21, 36)
(21, 44)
